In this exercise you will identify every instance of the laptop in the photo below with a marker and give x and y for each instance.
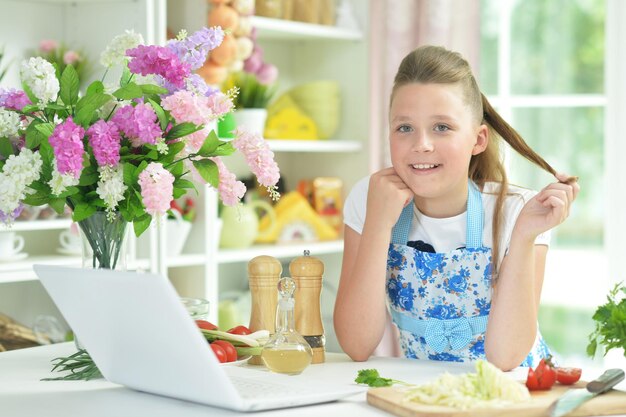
(141, 336)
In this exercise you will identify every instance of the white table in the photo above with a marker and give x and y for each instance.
(22, 393)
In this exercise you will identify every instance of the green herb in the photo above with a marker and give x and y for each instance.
(80, 365)
(610, 318)
(372, 378)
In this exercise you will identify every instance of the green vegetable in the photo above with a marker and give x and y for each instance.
(80, 365)
(610, 318)
(487, 388)
(372, 378)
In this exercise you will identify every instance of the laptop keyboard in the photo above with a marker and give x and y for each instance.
(251, 388)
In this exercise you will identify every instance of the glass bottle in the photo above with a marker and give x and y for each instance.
(286, 351)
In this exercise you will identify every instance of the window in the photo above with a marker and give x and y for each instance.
(542, 66)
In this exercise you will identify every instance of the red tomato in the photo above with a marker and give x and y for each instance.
(240, 330)
(206, 325)
(219, 353)
(568, 376)
(231, 352)
(542, 377)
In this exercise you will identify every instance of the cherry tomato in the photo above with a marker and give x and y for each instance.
(542, 377)
(240, 330)
(229, 349)
(220, 354)
(568, 376)
(206, 325)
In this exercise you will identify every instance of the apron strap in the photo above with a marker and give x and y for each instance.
(475, 219)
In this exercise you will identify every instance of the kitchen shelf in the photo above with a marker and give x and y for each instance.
(296, 145)
(279, 29)
(279, 251)
(28, 225)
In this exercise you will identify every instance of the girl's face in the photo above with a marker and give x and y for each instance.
(433, 136)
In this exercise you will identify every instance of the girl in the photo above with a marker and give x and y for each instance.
(464, 251)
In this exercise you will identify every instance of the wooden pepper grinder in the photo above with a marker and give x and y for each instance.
(263, 275)
(307, 272)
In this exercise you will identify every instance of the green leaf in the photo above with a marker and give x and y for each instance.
(58, 204)
(69, 86)
(87, 106)
(177, 169)
(182, 183)
(129, 171)
(163, 122)
(372, 378)
(95, 87)
(30, 108)
(141, 224)
(128, 92)
(30, 94)
(6, 147)
(182, 129)
(210, 145)
(224, 149)
(208, 171)
(45, 129)
(53, 106)
(126, 76)
(89, 176)
(82, 211)
(178, 192)
(153, 89)
(138, 170)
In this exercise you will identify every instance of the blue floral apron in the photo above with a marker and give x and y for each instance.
(441, 301)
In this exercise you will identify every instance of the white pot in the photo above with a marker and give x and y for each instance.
(251, 119)
(177, 232)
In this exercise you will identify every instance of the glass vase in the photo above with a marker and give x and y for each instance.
(104, 241)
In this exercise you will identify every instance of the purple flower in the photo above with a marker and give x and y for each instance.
(13, 99)
(159, 60)
(194, 49)
(7, 218)
(138, 123)
(67, 143)
(104, 139)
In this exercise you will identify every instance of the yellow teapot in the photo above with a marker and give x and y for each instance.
(240, 224)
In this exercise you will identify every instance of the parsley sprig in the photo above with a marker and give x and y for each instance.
(372, 378)
(610, 330)
(80, 365)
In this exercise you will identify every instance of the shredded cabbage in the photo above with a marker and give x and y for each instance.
(487, 388)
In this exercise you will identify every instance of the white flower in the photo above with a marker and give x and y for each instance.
(115, 52)
(111, 186)
(18, 173)
(60, 182)
(9, 123)
(162, 146)
(39, 75)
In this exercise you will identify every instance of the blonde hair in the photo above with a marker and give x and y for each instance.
(437, 65)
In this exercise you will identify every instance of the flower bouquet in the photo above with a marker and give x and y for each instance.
(119, 154)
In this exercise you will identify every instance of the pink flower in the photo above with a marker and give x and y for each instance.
(104, 139)
(267, 74)
(258, 156)
(159, 60)
(13, 99)
(157, 189)
(185, 106)
(48, 45)
(70, 57)
(139, 124)
(67, 143)
(220, 104)
(229, 189)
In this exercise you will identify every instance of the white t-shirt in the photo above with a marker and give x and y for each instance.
(447, 234)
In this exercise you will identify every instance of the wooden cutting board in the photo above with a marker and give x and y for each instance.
(392, 400)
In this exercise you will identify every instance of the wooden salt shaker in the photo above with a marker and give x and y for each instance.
(263, 275)
(307, 272)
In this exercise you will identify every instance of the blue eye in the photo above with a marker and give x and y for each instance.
(441, 128)
(404, 128)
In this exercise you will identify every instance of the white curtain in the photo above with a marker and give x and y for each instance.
(396, 28)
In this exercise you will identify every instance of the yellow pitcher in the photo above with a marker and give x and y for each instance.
(241, 224)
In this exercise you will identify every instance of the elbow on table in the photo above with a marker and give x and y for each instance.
(505, 362)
